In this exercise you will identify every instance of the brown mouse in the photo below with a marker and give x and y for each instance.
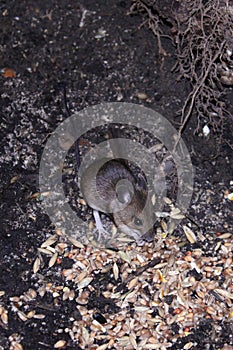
(110, 186)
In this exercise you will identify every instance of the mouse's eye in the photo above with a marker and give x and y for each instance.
(137, 221)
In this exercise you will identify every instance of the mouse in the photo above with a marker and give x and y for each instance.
(111, 187)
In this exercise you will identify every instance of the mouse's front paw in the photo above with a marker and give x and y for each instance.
(102, 234)
(146, 237)
(140, 241)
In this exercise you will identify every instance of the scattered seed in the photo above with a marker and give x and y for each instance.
(99, 318)
(133, 342)
(152, 346)
(50, 241)
(133, 283)
(17, 346)
(31, 313)
(45, 251)
(22, 316)
(59, 344)
(153, 199)
(188, 345)
(225, 235)
(53, 259)
(39, 316)
(4, 317)
(115, 271)
(142, 309)
(161, 277)
(189, 234)
(36, 265)
(142, 96)
(103, 347)
(98, 326)
(84, 283)
(76, 243)
(124, 256)
(224, 293)
(81, 277)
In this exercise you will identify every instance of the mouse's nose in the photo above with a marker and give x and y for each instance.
(147, 237)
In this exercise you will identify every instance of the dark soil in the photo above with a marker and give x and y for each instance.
(110, 58)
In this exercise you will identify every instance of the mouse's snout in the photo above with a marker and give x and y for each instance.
(137, 219)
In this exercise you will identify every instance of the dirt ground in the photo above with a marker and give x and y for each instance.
(102, 55)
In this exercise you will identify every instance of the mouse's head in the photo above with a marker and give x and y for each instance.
(136, 219)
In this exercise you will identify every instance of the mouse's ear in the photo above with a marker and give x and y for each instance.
(124, 191)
